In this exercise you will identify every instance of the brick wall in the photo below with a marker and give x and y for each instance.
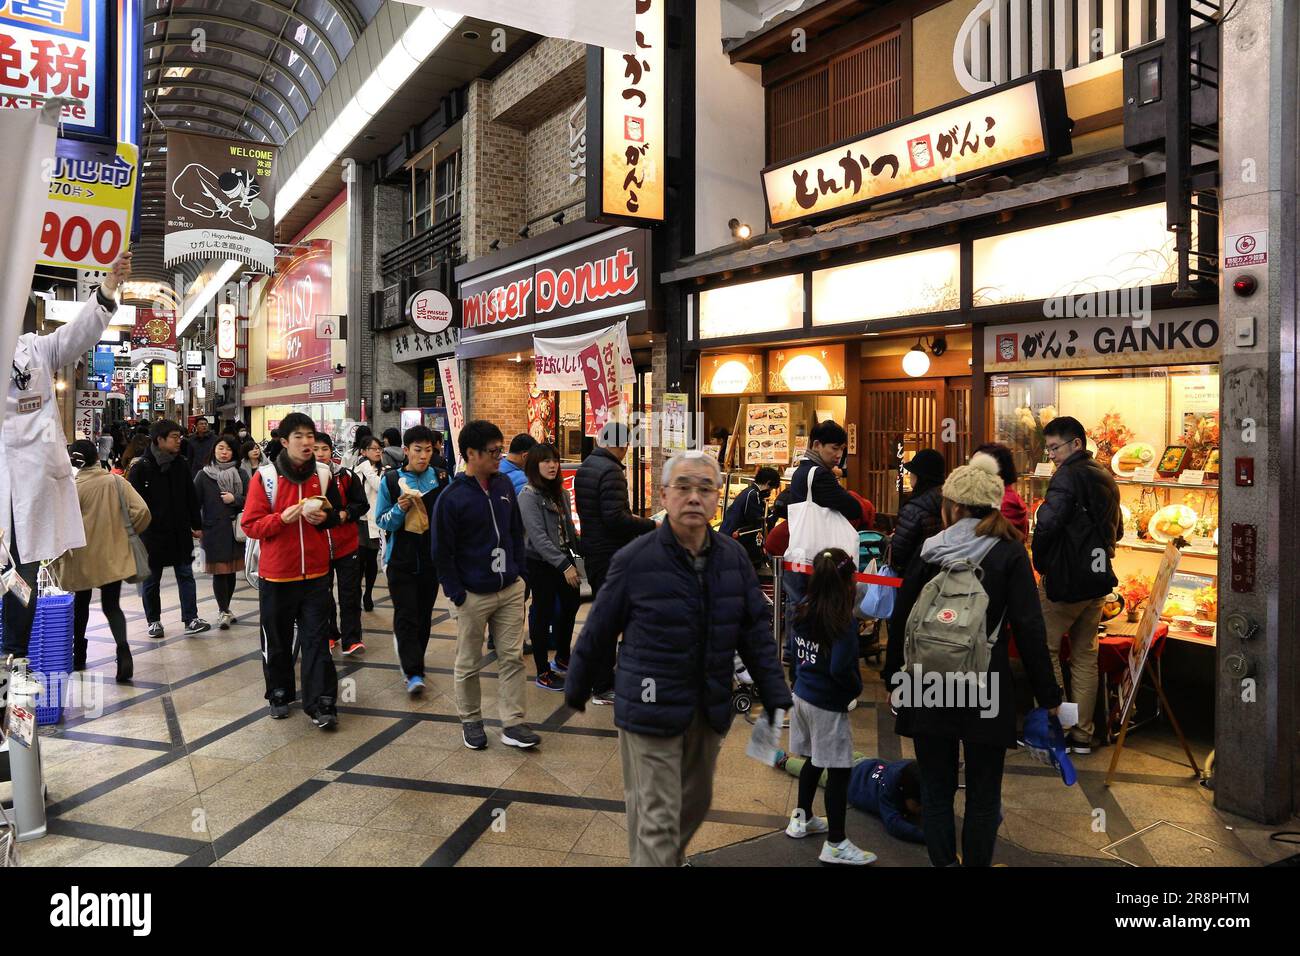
(498, 391)
(495, 159)
(550, 75)
(549, 188)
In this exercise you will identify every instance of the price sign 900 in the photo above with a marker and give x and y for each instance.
(69, 237)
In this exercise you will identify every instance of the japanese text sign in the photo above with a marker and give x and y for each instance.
(1173, 336)
(52, 48)
(92, 197)
(627, 181)
(1018, 122)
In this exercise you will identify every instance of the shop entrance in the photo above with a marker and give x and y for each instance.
(901, 418)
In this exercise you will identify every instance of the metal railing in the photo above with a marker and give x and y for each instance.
(423, 251)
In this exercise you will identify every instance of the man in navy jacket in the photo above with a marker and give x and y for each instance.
(686, 600)
(478, 547)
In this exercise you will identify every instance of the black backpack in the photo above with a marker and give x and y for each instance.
(1069, 560)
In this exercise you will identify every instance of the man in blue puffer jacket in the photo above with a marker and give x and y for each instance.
(686, 600)
(478, 547)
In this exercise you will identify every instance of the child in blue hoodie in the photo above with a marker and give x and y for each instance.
(889, 790)
(827, 680)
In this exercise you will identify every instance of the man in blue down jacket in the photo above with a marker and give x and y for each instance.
(686, 600)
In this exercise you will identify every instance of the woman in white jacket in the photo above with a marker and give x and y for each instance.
(368, 470)
(39, 510)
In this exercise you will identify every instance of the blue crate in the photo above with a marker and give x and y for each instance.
(50, 652)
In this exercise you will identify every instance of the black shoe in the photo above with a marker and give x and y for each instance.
(279, 705)
(473, 735)
(323, 715)
(125, 665)
(367, 604)
(1081, 746)
(520, 735)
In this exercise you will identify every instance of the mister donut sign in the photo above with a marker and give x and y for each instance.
(429, 311)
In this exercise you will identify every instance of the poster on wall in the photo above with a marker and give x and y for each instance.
(300, 290)
(541, 415)
(675, 435)
(220, 195)
(626, 129)
(449, 373)
(87, 222)
(767, 434)
(1141, 647)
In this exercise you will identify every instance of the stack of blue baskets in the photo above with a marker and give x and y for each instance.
(50, 653)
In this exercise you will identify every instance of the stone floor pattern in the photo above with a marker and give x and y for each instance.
(185, 767)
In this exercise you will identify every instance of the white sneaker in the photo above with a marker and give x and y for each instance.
(845, 852)
(800, 828)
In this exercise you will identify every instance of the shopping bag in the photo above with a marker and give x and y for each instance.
(878, 602)
(237, 524)
(814, 528)
(199, 560)
(139, 554)
(764, 738)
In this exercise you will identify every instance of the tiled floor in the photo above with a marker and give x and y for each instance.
(185, 767)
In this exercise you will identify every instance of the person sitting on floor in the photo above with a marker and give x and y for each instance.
(889, 790)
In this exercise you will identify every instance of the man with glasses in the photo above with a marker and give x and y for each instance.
(686, 600)
(478, 547)
(1075, 531)
(607, 522)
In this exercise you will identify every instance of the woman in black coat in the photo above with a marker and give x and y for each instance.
(977, 532)
(919, 519)
(222, 487)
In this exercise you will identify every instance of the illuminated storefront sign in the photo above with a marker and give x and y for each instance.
(1016, 123)
(626, 181)
(750, 308)
(227, 329)
(52, 48)
(1173, 337)
(915, 283)
(818, 368)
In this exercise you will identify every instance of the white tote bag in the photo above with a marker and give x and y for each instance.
(813, 528)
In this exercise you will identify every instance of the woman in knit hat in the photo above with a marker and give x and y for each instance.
(974, 531)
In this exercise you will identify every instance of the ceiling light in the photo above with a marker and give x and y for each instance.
(916, 362)
(471, 34)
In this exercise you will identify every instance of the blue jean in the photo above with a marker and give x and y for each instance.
(150, 598)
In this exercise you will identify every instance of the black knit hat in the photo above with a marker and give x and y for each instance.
(83, 453)
(928, 466)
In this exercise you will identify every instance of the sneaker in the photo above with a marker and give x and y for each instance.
(520, 735)
(333, 645)
(415, 685)
(799, 828)
(197, 626)
(357, 648)
(231, 618)
(558, 668)
(223, 620)
(606, 699)
(156, 630)
(279, 705)
(549, 680)
(1080, 746)
(324, 715)
(473, 735)
(780, 758)
(845, 852)
(367, 604)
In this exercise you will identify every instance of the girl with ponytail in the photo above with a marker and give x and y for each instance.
(827, 680)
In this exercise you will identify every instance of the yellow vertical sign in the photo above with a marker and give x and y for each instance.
(633, 130)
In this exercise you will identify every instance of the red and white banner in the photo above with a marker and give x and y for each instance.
(559, 365)
(454, 395)
(600, 365)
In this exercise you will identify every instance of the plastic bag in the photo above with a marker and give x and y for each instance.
(878, 603)
(200, 560)
(764, 738)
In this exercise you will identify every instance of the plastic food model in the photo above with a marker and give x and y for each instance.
(1173, 461)
(1212, 464)
(1131, 457)
(1170, 522)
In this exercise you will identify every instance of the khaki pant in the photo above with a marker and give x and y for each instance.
(502, 615)
(668, 784)
(1078, 620)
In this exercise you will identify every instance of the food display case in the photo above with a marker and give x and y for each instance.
(1157, 431)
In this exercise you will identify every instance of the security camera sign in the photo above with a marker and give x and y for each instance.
(1247, 249)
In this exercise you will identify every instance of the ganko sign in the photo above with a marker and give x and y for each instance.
(563, 288)
(602, 273)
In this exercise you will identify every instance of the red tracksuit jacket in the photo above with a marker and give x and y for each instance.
(297, 551)
(346, 539)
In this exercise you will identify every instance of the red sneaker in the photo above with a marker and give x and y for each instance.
(357, 648)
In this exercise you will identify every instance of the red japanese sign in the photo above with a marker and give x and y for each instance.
(300, 290)
(51, 48)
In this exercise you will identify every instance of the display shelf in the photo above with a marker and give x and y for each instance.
(1204, 486)
(1136, 544)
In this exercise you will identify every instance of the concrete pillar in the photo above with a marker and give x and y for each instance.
(1255, 727)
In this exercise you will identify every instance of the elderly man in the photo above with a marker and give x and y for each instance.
(686, 600)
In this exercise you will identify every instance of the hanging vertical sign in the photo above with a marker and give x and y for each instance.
(227, 319)
(219, 200)
(154, 338)
(449, 374)
(87, 222)
(625, 128)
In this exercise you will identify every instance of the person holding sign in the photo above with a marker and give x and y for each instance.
(39, 507)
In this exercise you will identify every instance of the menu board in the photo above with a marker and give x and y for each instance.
(767, 434)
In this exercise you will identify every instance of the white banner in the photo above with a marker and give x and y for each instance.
(607, 23)
(26, 152)
(559, 366)
(454, 396)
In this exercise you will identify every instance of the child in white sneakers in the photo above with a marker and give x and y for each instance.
(827, 680)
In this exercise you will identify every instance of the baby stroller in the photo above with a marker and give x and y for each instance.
(871, 555)
(743, 692)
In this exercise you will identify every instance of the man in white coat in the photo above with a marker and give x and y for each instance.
(39, 512)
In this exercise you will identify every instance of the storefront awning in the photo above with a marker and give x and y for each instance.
(1064, 181)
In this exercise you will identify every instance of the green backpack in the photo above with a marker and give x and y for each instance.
(945, 632)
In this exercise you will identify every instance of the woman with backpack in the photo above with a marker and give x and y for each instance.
(978, 557)
(551, 547)
(222, 487)
(827, 680)
(369, 472)
(108, 502)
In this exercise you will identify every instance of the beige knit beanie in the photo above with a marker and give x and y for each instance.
(976, 485)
